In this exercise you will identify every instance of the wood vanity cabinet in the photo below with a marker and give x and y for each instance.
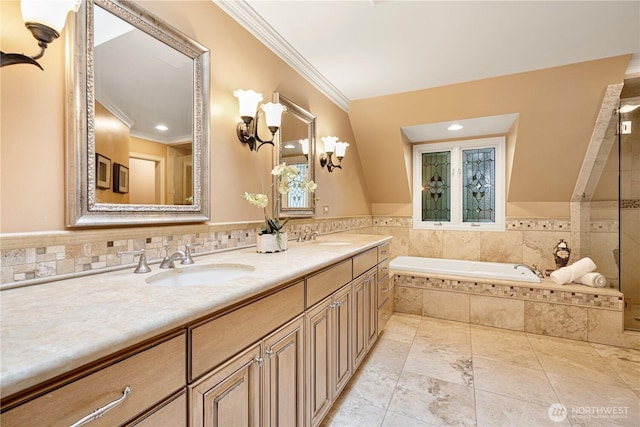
(365, 315)
(263, 385)
(154, 373)
(385, 287)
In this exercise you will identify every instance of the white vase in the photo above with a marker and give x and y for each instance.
(269, 243)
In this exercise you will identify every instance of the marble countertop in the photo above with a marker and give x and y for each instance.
(52, 328)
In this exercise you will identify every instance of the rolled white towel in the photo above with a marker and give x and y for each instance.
(593, 279)
(574, 271)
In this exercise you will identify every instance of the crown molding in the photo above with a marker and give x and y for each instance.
(244, 14)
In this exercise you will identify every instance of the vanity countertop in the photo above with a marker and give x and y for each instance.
(52, 328)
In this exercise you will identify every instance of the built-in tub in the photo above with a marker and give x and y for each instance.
(455, 267)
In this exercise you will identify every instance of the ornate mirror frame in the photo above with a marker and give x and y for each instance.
(82, 208)
(310, 120)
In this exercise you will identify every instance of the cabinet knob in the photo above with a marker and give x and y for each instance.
(269, 352)
(260, 361)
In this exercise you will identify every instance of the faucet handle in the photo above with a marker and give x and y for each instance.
(142, 267)
(187, 252)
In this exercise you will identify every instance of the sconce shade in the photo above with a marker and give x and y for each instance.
(273, 114)
(248, 100)
(53, 14)
(305, 146)
(341, 149)
(329, 143)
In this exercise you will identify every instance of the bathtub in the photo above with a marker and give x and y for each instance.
(455, 267)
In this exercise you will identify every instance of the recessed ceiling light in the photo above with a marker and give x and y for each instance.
(162, 128)
(289, 146)
(628, 108)
(455, 127)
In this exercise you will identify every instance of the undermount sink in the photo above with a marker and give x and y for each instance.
(200, 275)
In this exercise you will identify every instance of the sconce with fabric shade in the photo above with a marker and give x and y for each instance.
(332, 146)
(247, 129)
(45, 20)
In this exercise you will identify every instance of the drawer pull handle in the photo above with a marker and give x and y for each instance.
(385, 269)
(101, 411)
(385, 316)
(385, 290)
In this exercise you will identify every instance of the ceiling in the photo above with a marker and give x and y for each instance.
(360, 49)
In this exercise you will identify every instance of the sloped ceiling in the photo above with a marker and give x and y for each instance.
(395, 64)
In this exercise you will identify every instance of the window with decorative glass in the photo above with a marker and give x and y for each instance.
(459, 185)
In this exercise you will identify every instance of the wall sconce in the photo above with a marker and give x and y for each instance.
(305, 147)
(45, 20)
(332, 146)
(248, 129)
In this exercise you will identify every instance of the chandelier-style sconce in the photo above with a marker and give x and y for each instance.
(248, 128)
(332, 146)
(45, 20)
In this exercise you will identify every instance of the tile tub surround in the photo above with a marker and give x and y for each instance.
(567, 311)
(42, 257)
(427, 372)
(52, 328)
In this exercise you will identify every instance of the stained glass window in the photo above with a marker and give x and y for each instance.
(297, 197)
(478, 192)
(436, 187)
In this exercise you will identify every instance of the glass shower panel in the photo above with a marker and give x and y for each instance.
(629, 207)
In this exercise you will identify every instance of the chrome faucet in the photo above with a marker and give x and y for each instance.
(533, 269)
(187, 253)
(170, 261)
(142, 267)
(314, 235)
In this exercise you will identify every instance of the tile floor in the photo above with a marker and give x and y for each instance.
(430, 372)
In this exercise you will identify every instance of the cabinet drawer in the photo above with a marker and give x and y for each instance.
(384, 313)
(217, 340)
(383, 269)
(326, 282)
(170, 414)
(384, 290)
(364, 261)
(152, 375)
(383, 252)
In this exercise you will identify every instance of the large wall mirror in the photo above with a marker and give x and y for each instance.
(297, 125)
(137, 119)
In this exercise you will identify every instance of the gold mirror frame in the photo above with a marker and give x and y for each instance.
(82, 207)
(310, 120)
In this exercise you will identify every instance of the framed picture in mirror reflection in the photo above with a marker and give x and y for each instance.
(103, 172)
(120, 178)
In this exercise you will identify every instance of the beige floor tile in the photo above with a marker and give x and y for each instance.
(628, 371)
(530, 385)
(497, 411)
(433, 401)
(506, 346)
(546, 343)
(449, 336)
(624, 354)
(590, 403)
(374, 385)
(388, 353)
(438, 362)
(581, 365)
(392, 419)
(402, 328)
(353, 412)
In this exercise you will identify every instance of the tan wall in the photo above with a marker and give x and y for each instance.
(557, 106)
(33, 107)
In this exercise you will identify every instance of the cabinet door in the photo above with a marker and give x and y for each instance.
(360, 322)
(284, 376)
(342, 339)
(230, 396)
(372, 309)
(318, 358)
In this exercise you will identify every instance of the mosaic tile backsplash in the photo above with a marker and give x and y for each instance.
(41, 257)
